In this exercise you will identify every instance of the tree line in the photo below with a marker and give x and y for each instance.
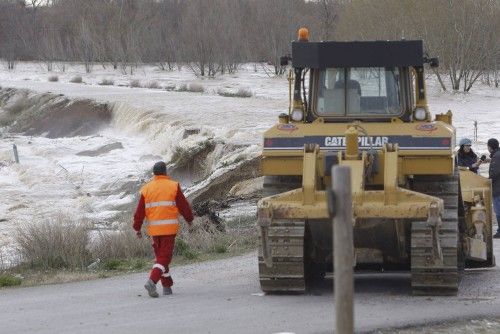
(463, 34)
(211, 36)
(215, 36)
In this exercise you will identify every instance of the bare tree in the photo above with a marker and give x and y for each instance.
(200, 31)
(13, 32)
(281, 18)
(327, 13)
(213, 36)
(462, 33)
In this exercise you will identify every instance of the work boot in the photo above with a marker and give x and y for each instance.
(167, 290)
(150, 286)
(497, 235)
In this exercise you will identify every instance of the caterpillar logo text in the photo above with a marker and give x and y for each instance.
(362, 141)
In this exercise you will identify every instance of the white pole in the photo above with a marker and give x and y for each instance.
(343, 250)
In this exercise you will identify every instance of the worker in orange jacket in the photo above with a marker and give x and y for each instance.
(160, 204)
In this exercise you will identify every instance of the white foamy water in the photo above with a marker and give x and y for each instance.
(149, 125)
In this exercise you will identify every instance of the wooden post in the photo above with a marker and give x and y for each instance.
(343, 250)
(475, 131)
(16, 155)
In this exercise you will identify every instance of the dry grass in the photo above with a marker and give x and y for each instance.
(106, 82)
(153, 85)
(121, 244)
(60, 250)
(14, 106)
(203, 238)
(76, 79)
(182, 88)
(64, 243)
(3, 262)
(196, 88)
(242, 92)
(18, 104)
(170, 87)
(58, 243)
(135, 83)
(192, 87)
(53, 78)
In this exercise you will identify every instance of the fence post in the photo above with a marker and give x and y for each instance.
(16, 155)
(475, 131)
(343, 250)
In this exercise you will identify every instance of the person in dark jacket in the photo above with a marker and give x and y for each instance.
(466, 156)
(495, 178)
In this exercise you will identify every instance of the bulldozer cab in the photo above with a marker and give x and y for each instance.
(369, 81)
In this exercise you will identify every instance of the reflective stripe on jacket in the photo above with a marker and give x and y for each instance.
(161, 211)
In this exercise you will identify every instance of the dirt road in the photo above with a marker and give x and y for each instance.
(224, 297)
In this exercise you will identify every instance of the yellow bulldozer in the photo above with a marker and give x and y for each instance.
(363, 105)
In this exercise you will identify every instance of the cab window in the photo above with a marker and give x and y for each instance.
(358, 91)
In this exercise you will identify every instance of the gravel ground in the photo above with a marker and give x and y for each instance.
(483, 326)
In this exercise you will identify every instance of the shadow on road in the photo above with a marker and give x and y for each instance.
(399, 284)
(383, 283)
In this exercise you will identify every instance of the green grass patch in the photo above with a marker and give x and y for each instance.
(182, 248)
(190, 254)
(43, 276)
(9, 280)
(220, 248)
(112, 264)
(126, 265)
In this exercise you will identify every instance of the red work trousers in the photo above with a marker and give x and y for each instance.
(163, 246)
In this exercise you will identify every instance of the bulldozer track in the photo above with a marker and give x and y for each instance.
(430, 277)
(286, 237)
(287, 273)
